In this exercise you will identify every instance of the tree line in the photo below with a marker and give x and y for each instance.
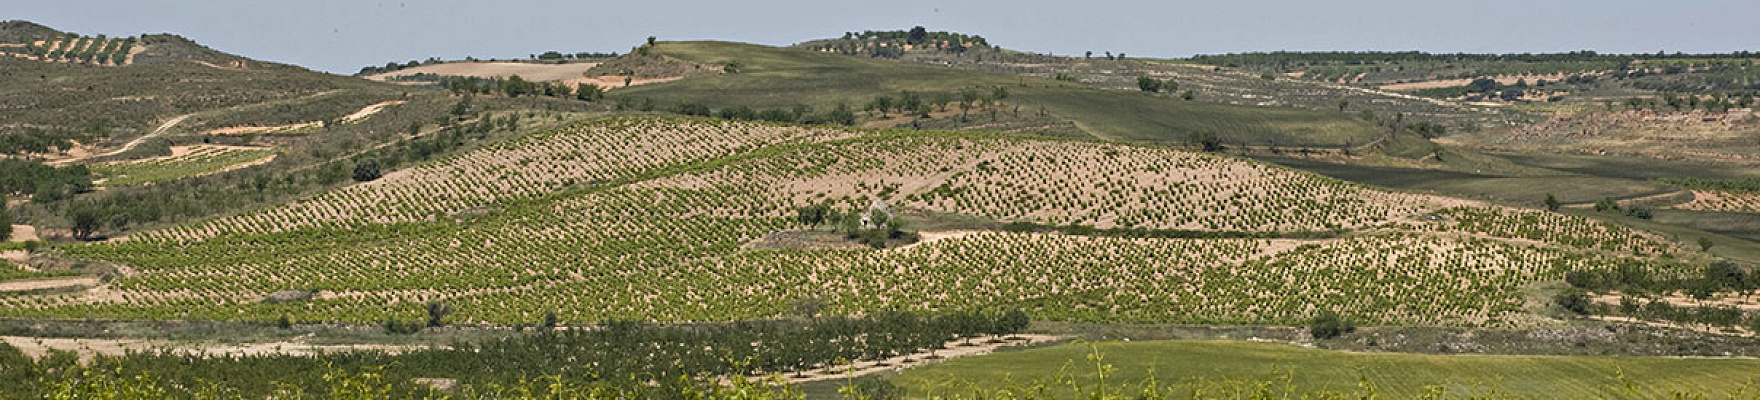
(661, 361)
(554, 56)
(1640, 288)
(840, 114)
(514, 86)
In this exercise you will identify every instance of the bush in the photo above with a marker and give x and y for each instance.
(1330, 325)
(366, 170)
(393, 326)
(1606, 204)
(437, 313)
(1576, 301)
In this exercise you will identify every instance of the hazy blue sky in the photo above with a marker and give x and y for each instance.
(343, 35)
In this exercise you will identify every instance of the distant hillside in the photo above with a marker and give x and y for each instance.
(768, 78)
(16, 31)
(91, 96)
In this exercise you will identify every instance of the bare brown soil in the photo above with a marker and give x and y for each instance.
(1448, 83)
(24, 233)
(612, 82)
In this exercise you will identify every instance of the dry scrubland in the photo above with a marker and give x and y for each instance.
(645, 218)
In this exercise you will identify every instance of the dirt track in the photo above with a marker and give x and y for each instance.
(22, 285)
(527, 71)
(131, 144)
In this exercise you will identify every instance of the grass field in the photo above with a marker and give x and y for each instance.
(775, 77)
(1227, 369)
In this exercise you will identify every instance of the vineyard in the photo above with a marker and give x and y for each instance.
(185, 162)
(73, 48)
(645, 218)
(1730, 201)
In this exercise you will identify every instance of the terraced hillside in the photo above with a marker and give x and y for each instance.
(649, 218)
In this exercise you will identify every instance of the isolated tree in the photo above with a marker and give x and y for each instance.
(1343, 103)
(1207, 140)
(812, 215)
(1512, 94)
(1552, 203)
(86, 221)
(806, 307)
(884, 104)
(1147, 84)
(1606, 204)
(1188, 95)
(916, 35)
(941, 100)
(589, 92)
(1573, 300)
(549, 320)
(1705, 244)
(651, 40)
(1329, 325)
(463, 107)
(437, 312)
(6, 221)
(1088, 55)
(366, 170)
(1482, 85)
(841, 114)
(909, 102)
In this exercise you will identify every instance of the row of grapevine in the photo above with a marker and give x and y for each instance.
(78, 49)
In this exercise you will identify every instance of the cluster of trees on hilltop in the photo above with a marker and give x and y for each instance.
(514, 86)
(919, 35)
(393, 66)
(554, 56)
(890, 44)
(559, 56)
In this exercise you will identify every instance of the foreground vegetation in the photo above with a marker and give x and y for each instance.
(638, 360)
(1205, 369)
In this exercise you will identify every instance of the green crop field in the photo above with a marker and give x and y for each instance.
(1226, 369)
